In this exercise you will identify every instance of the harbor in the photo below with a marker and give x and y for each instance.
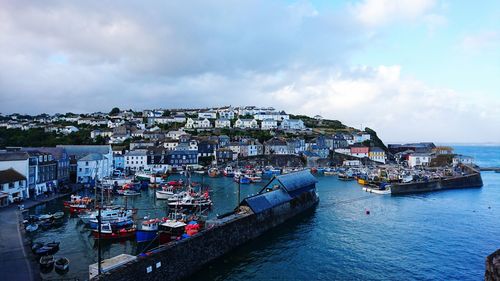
(75, 236)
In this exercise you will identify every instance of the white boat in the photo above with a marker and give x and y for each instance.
(190, 202)
(165, 193)
(45, 217)
(377, 191)
(131, 193)
(144, 176)
(32, 227)
(107, 215)
(119, 181)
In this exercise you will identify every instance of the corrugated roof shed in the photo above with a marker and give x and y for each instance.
(13, 156)
(10, 175)
(267, 200)
(297, 180)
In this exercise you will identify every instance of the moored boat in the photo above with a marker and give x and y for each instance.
(62, 264)
(46, 261)
(108, 233)
(148, 230)
(131, 193)
(32, 227)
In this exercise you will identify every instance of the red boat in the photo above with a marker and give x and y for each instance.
(108, 233)
(78, 208)
(175, 183)
(77, 200)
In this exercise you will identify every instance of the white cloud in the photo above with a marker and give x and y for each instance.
(481, 41)
(380, 12)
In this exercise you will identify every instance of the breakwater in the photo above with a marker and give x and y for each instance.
(254, 217)
(492, 272)
(471, 180)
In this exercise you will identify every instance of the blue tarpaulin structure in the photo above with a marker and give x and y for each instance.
(292, 185)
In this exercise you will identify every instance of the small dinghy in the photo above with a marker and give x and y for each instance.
(131, 193)
(45, 217)
(31, 227)
(62, 264)
(47, 249)
(58, 215)
(46, 261)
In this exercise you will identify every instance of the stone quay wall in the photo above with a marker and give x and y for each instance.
(492, 272)
(181, 259)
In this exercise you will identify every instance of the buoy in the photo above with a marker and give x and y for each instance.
(367, 212)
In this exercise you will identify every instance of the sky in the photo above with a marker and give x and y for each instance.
(413, 70)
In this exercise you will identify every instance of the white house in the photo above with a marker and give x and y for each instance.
(292, 124)
(69, 129)
(269, 124)
(197, 123)
(170, 144)
(207, 114)
(222, 123)
(377, 154)
(246, 124)
(93, 166)
(79, 151)
(136, 160)
(343, 150)
(12, 186)
(361, 137)
(104, 134)
(419, 159)
(277, 116)
(463, 159)
(175, 134)
(226, 114)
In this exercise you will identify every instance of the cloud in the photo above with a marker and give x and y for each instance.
(375, 13)
(481, 41)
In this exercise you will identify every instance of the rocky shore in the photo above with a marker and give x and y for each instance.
(492, 272)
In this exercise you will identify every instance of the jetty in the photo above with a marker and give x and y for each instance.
(470, 179)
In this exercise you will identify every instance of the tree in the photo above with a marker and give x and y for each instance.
(114, 111)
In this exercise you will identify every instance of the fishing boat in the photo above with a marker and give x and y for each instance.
(165, 193)
(107, 232)
(254, 179)
(143, 176)
(131, 193)
(62, 264)
(31, 227)
(77, 199)
(170, 230)
(78, 208)
(213, 172)
(200, 172)
(118, 222)
(345, 177)
(242, 180)
(106, 215)
(228, 172)
(148, 230)
(46, 261)
(190, 203)
(45, 217)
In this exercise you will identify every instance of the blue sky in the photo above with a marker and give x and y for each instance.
(414, 70)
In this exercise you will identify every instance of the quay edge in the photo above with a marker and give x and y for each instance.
(492, 272)
(256, 216)
(471, 180)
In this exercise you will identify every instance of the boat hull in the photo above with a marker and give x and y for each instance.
(145, 235)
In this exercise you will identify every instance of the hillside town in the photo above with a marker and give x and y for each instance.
(126, 142)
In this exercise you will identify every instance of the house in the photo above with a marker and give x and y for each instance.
(158, 158)
(222, 123)
(42, 173)
(359, 151)
(419, 159)
(273, 115)
(343, 150)
(311, 158)
(223, 140)
(69, 129)
(136, 160)
(296, 145)
(175, 134)
(320, 150)
(234, 147)
(60, 156)
(225, 154)
(182, 158)
(118, 138)
(226, 114)
(462, 159)
(276, 146)
(16, 160)
(102, 133)
(292, 124)
(76, 152)
(206, 148)
(269, 124)
(361, 137)
(170, 144)
(422, 147)
(351, 163)
(93, 167)
(207, 115)
(246, 124)
(141, 144)
(13, 186)
(200, 123)
(377, 154)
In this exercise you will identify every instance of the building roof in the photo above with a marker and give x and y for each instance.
(376, 149)
(267, 200)
(297, 180)
(92, 157)
(10, 175)
(137, 152)
(13, 156)
(82, 150)
(57, 152)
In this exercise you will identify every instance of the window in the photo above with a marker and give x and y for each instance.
(86, 163)
(11, 185)
(86, 170)
(80, 169)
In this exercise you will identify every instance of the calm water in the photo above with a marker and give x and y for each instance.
(435, 236)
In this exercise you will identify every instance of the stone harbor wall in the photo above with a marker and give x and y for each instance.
(183, 258)
(492, 272)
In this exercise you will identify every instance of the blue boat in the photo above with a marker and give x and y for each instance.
(148, 231)
(121, 223)
(242, 180)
